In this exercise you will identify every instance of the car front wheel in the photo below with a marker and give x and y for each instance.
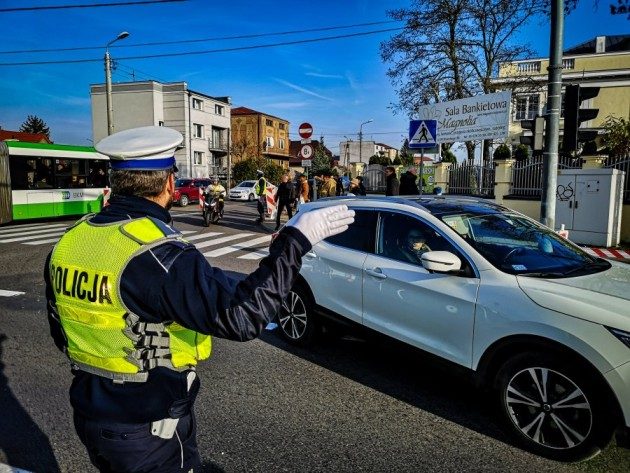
(296, 321)
(183, 200)
(554, 407)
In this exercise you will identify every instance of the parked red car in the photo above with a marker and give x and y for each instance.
(187, 190)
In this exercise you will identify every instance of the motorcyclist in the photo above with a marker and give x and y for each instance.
(215, 189)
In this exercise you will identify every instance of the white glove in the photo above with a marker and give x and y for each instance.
(322, 223)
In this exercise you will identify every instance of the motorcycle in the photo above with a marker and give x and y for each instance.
(212, 209)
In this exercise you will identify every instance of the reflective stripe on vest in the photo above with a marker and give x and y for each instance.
(104, 338)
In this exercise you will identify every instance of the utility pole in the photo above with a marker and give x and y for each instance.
(554, 102)
(108, 83)
(229, 160)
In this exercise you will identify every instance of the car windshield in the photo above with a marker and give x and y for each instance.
(246, 184)
(517, 245)
(182, 182)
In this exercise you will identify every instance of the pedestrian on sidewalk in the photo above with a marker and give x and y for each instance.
(362, 190)
(285, 198)
(392, 184)
(133, 305)
(329, 187)
(304, 195)
(408, 184)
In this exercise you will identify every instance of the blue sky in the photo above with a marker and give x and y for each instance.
(334, 85)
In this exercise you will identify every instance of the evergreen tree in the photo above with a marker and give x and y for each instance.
(34, 124)
(406, 154)
(321, 161)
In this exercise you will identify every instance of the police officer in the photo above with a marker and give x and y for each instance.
(261, 193)
(133, 306)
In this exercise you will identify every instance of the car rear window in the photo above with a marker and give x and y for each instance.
(246, 184)
(360, 235)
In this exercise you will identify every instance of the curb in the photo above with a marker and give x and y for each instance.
(607, 253)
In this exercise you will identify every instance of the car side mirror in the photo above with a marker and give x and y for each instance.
(441, 261)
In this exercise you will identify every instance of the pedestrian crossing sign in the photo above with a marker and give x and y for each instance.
(422, 133)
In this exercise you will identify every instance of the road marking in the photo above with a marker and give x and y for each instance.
(10, 469)
(4, 293)
(258, 254)
(218, 241)
(32, 237)
(42, 242)
(31, 232)
(238, 246)
(202, 235)
(25, 229)
(188, 232)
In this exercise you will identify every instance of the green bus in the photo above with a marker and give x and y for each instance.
(41, 180)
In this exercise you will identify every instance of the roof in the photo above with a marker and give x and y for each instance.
(295, 147)
(385, 146)
(24, 136)
(250, 111)
(614, 43)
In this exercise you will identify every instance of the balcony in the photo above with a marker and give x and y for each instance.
(568, 63)
(218, 144)
(530, 66)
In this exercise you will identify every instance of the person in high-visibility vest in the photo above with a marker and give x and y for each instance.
(261, 192)
(133, 305)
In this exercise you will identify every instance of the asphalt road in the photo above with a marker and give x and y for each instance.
(265, 406)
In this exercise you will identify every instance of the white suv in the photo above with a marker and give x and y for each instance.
(541, 323)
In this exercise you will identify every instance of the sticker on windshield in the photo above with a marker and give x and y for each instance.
(518, 267)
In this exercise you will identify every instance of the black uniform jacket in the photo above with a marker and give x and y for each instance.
(175, 282)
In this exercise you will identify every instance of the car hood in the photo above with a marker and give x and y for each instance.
(602, 298)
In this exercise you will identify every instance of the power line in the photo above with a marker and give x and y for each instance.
(209, 51)
(91, 5)
(200, 40)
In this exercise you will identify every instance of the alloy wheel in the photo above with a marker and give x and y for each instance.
(549, 408)
(293, 317)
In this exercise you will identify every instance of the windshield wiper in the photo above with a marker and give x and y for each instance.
(597, 264)
(541, 274)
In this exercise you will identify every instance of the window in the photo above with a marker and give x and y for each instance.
(97, 174)
(269, 122)
(405, 238)
(269, 142)
(527, 107)
(197, 157)
(281, 143)
(219, 109)
(197, 104)
(281, 126)
(360, 235)
(160, 123)
(198, 129)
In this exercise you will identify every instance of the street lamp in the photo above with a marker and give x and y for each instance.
(346, 154)
(361, 139)
(108, 83)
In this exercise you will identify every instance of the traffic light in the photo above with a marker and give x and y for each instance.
(574, 116)
(536, 140)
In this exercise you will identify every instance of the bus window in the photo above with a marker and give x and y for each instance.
(70, 173)
(97, 176)
(43, 173)
(21, 173)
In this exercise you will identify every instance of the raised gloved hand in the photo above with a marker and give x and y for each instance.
(322, 223)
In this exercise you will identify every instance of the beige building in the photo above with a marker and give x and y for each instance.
(602, 62)
(259, 134)
(203, 120)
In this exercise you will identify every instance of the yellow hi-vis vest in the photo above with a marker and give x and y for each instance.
(259, 191)
(103, 336)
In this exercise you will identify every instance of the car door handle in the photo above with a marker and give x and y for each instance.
(377, 273)
(311, 254)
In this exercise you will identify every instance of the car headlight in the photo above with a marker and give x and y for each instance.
(622, 335)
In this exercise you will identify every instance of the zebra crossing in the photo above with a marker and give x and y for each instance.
(253, 245)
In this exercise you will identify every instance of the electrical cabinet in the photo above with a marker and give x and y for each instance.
(589, 204)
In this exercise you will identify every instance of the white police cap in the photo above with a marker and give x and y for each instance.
(148, 148)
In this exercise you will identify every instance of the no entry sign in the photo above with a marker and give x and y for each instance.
(305, 130)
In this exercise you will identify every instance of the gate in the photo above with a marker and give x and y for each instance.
(471, 179)
(374, 178)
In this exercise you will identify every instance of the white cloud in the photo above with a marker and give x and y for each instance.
(287, 105)
(303, 90)
(324, 76)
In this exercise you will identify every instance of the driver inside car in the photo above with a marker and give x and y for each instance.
(215, 189)
(415, 245)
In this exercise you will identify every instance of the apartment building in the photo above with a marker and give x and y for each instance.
(602, 62)
(259, 134)
(202, 119)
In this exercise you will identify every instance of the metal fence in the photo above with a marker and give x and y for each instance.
(471, 179)
(623, 164)
(527, 175)
(374, 178)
